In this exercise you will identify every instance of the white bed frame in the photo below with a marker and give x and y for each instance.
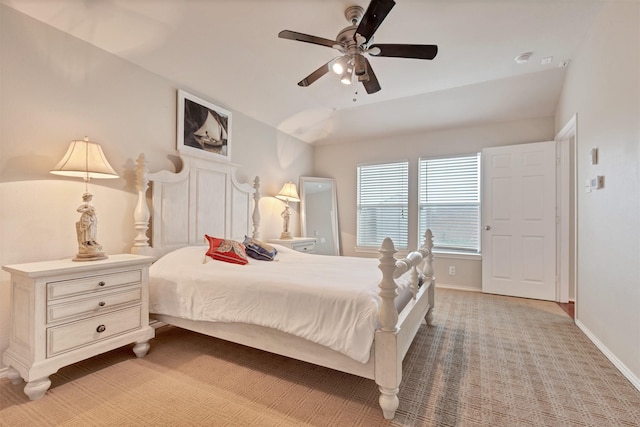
(205, 197)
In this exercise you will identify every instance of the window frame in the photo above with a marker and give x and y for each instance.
(401, 242)
(421, 182)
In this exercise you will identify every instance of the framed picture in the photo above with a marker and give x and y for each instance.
(204, 129)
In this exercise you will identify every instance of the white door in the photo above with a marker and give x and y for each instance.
(519, 220)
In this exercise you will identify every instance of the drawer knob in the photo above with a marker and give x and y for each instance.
(102, 303)
(101, 283)
(101, 328)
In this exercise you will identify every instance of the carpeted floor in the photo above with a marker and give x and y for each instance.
(486, 361)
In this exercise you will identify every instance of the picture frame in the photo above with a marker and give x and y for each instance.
(204, 129)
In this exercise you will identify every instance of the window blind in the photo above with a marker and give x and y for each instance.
(449, 202)
(382, 206)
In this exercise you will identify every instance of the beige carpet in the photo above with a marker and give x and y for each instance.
(487, 361)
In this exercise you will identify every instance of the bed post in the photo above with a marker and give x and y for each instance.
(256, 208)
(388, 363)
(141, 213)
(428, 273)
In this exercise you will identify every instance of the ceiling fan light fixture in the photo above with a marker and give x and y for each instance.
(356, 40)
(339, 65)
(346, 78)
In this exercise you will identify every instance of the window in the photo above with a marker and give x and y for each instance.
(383, 200)
(449, 202)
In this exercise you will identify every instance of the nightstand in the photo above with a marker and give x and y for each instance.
(300, 244)
(65, 311)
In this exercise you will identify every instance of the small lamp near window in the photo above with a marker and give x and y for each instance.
(85, 159)
(289, 193)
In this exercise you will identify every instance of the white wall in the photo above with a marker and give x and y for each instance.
(340, 161)
(55, 88)
(603, 87)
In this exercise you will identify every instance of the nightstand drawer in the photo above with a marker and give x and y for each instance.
(73, 335)
(94, 305)
(83, 285)
(308, 247)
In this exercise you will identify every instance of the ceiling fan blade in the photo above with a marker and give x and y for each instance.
(373, 17)
(315, 75)
(371, 85)
(292, 35)
(417, 51)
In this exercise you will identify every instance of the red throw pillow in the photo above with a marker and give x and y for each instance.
(226, 250)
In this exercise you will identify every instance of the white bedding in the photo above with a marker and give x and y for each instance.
(332, 301)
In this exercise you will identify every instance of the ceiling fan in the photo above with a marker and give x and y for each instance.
(355, 41)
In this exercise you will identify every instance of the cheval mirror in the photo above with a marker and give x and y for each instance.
(319, 213)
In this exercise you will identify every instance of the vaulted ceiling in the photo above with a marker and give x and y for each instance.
(229, 52)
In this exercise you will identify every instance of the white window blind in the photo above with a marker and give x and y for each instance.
(449, 202)
(383, 200)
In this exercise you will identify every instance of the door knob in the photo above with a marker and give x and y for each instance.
(487, 227)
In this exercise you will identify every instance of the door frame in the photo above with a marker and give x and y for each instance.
(567, 147)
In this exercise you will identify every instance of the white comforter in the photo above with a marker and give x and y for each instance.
(332, 301)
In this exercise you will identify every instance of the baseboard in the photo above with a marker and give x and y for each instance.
(4, 372)
(457, 287)
(609, 355)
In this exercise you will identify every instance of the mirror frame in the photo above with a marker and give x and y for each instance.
(334, 201)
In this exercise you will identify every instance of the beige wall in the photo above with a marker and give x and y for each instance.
(55, 88)
(341, 160)
(603, 87)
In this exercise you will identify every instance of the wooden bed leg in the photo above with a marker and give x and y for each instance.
(388, 363)
(429, 317)
(389, 401)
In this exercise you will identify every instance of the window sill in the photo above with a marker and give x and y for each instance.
(376, 251)
(456, 255)
(436, 254)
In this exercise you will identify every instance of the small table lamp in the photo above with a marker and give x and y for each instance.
(289, 193)
(85, 159)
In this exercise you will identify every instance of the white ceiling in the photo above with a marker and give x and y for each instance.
(229, 52)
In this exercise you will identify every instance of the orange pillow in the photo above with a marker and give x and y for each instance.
(226, 250)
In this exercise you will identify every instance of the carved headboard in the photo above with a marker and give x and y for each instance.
(203, 198)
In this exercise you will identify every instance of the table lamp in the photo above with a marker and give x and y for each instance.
(85, 159)
(289, 193)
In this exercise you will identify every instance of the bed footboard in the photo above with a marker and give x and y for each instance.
(397, 330)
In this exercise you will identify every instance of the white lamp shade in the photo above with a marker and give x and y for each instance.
(339, 64)
(289, 193)
(84, 159)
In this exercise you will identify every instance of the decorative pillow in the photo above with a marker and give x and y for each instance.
(259, 250)
(226, 250)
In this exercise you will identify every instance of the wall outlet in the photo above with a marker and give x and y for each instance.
(452, 270)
